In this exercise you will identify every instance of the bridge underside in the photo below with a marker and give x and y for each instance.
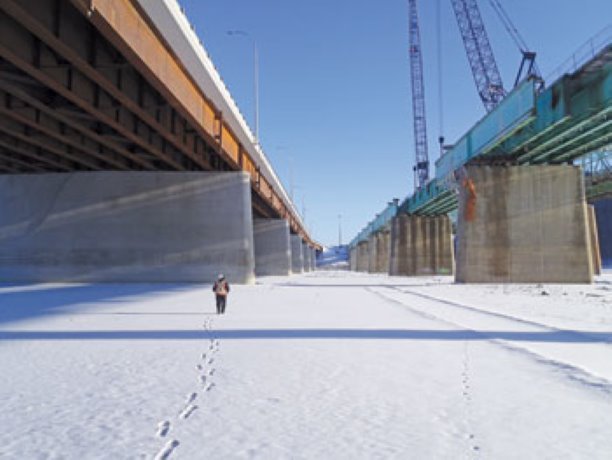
(72, 100)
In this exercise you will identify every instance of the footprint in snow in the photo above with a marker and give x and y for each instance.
(191, 398)
(185, 413)
(165, 452)
(209, 387)
(163, 428)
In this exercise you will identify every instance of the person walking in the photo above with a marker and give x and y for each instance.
(221, 289)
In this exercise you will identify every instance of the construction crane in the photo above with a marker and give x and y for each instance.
(421, 168)
(528, 65)
(480, 55)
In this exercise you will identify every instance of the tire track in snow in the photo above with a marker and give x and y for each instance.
(467, 432)
(569, 371)
(205, 371)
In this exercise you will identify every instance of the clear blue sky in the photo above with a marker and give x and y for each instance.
(335, 102)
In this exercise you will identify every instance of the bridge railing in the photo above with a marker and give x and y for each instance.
(588, 50)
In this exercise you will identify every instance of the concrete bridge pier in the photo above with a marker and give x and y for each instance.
(297, 254)
(421, 245)
(307, 255)
(363, 257)
(353, 258)
(313, 259)
(272, 247)
(126, 227)
(523, 224)
(378, 251)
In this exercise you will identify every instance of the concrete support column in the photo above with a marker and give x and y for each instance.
(378, 248)
(297, 255)
(523, 224)
(421, 245)
(272, 247)
(313, 259)
(372, 253)
(363, 257)
(306, 254)
(126, 227)
(353, 259)
(603, 214)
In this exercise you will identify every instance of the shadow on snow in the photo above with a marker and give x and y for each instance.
(566, 336)
(25, 301)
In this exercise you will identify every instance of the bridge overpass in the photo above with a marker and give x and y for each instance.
(512, 182)
(123, 155)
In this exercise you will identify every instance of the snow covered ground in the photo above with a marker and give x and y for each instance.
(325, 365)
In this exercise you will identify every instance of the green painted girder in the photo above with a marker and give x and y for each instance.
(597, 126)
(444, 203)
(570, 118)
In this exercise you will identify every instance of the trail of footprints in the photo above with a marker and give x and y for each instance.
(205, 370)
(467, 396)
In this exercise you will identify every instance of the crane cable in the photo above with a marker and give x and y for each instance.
(511, 29)
(440, 76)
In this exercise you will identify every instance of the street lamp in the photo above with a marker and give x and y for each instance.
(242, 33)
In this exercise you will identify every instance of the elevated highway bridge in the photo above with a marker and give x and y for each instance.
(512, 181)
(122, 92)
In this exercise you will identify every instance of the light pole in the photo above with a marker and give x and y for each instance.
(255, 78)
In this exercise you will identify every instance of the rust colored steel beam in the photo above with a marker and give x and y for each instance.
(27, 151)
(74, 125)
(60, 86)
(31, 118)
(45, 144)
(13, 158)
(80, 62)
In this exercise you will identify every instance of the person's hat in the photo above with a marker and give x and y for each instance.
(221, 276)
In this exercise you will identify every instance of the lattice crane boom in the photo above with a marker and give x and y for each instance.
(480, 55)
(421, 167)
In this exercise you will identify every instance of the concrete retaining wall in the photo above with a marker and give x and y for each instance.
(272, 247)
(126, 227)
(523, 224)
(421, 245)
